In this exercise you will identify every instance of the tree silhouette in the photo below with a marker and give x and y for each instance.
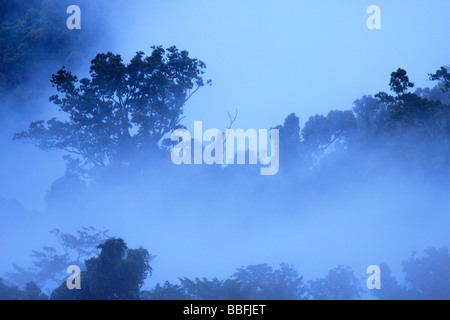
(122, 111)
(427, 277)
(30, 292)
(400, 82)
(339, 284)
(50, 263)
(117, 273)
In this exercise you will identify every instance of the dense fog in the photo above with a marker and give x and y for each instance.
(363, 118)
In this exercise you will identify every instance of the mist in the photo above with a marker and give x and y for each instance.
(356, 196)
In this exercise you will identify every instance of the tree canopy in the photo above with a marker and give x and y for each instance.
(117, 273)
(34, 36)
(123, 111)
(50, 263)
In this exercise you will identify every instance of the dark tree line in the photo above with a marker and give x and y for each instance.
(34, 36)
(408, 126)
(120, 119)
(50, 263)
(30, 292)
(427, 277)
(118, 273)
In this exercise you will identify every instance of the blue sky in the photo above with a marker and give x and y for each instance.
(266, 59)
(270, 58)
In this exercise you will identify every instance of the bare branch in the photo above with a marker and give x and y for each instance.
(232, 120)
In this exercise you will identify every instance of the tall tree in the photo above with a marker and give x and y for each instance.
(443, 76)
(123, 111)
(50, 263)
(400, 82)
(321, 132)
(290, 139)
(117, 273)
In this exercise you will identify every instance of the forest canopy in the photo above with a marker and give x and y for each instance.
(359, 179)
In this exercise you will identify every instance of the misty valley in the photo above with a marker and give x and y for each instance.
(329, 182)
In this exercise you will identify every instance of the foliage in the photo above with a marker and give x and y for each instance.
(116, 274)
(321, 132)
(30, 292)
(408, 128)
(269, 284)
(399, 81)
(391, 289)
(290, 135)
(426, 278)
(123, 111)
(257, 282)
(442, 75)
(34, 35)
(339, 284)
(50, 264)
(119, 273)
(168, 291)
